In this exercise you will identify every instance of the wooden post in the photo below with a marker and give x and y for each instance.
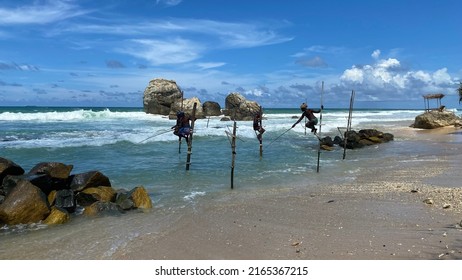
(193, 119)
(320, 125)
(261, 136)
(348, 123)
(233, 155)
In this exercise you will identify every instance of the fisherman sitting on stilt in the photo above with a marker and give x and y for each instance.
(182, 128)
(257, 126)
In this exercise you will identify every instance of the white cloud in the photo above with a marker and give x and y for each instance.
(387, 75)
(209, 65)
(375, 54)
(50, 11)
(159, 52)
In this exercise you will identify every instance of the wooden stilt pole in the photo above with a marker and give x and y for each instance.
(350, 113)
(233, 155)
(320, 125)
(193, 119)
(181, 109)
(261, 135)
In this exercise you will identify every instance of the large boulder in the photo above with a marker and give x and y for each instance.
(239, 108)
(159, 96)
(211, 108)
(24, 204)
(187, 107)
(436, 118)
(89, 179)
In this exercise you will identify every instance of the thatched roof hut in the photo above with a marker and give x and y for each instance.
(436, 96)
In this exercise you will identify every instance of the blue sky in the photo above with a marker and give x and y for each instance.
(104, 53)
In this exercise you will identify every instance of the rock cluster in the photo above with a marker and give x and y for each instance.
(435, 119)
(49, 193)
(164, 97)
(354, 140)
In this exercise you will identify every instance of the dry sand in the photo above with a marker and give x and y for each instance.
(414, 214)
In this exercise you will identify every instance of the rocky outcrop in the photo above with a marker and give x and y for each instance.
(240, 109)
(435, 119)
(24, 199)
(211, 108)
(159, 96)
(187, 106)
(354, 140)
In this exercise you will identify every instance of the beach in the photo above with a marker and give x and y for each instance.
(384, 216)
(399, 200)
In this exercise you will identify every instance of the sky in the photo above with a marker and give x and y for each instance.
(278, 53)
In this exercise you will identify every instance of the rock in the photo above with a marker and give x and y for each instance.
(428, 201)
(65, 199)
(136, 198)
(159, 96)
(141, 198)
(57, 216)
(24, 204)
(8, 167)
(89, 179)
(364, 137)
(53, 169)
(211, 108)
(434, 119)
(104, 194)
(99, 206)
(187, 108)
(43, 182)
(240, 109)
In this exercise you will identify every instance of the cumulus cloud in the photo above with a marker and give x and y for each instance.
(388, 75)
(375, 54)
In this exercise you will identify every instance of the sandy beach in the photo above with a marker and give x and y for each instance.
(408, 214)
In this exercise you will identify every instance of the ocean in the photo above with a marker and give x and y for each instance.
(133, 148)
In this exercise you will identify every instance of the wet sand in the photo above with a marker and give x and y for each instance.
(412, 214)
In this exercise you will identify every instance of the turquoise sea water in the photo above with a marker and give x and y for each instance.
(134, 148)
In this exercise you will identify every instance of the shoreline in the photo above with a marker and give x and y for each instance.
(375, 217)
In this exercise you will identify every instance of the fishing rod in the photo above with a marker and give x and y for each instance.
(274, 140)
(154, 136)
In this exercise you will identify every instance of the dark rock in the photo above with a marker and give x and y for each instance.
(65, 199)
(338, 140)
(24, 204)
(99, 207)
(211, 108)
(136, 198)
(8, 167)
(89, 179)
(53, 169)
(85, 199)
(327, 141)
